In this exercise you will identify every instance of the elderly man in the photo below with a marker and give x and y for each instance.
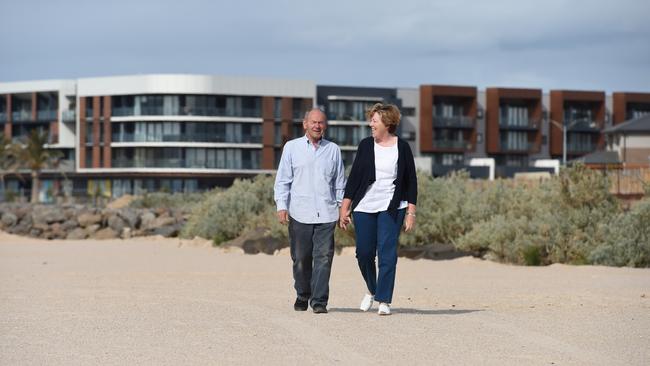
(309, 189)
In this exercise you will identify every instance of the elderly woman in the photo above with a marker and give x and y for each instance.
(381, 191)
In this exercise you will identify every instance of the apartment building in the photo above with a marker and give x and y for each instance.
(185, 133)
(177, 133)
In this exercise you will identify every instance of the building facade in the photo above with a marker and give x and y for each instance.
(186, 133)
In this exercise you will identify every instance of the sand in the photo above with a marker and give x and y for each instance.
(157, 301)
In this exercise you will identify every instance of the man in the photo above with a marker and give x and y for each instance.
(308, 189)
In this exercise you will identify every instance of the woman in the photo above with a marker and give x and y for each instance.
(381, 191)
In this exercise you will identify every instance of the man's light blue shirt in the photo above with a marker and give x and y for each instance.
(310, 181)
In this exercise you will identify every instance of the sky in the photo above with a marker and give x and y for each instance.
(551, 44)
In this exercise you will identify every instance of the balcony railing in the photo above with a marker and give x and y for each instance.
(46, 115)
(454, 122)
(3, 117)
(580, 148)
(69, 116)
(204, 112)
(450, 144)
(583, 126)
(512, 146)
(519, 125)
(184, 163)
(18, 116)
(344, 116)
(129, 137)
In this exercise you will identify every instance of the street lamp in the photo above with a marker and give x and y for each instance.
(564, 128)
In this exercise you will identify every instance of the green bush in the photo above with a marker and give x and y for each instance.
(180, 201)
(626, 241)
(224, 215)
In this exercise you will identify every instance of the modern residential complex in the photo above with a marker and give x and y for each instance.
(185, 133)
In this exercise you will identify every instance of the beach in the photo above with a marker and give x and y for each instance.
(165, 301)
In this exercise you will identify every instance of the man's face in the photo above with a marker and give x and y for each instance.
(315, 125)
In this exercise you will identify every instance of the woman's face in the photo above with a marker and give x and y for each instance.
(377, 127)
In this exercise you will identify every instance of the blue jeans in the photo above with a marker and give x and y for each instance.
(377, 235)
(312, 252)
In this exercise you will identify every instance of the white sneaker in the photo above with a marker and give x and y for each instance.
(366, 303)
(384, 309)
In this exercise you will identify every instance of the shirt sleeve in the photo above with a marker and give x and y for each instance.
(339, 184)
(283, 180)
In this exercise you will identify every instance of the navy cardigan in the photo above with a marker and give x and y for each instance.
(363, 174)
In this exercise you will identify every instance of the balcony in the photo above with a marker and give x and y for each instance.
(453, 122)
(573, 148)
(19, 116)
(46, 115)
(204, 112)
(517, 147)
(3, 117)
(582, 126)
(69, 116)
(207, 138)
(184, 163)
(519, 125)
(452, 145)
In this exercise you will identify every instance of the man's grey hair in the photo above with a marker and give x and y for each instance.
(319, 108)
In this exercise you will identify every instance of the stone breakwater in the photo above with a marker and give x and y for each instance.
(83, 222)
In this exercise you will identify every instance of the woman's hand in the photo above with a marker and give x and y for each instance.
(409, 222)
(344, 220)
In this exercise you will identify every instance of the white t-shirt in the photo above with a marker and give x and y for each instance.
(379, 194)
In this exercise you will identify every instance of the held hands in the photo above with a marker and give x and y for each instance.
(283, 217)
(344, 219)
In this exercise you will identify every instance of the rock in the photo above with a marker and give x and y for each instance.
(92, 228)
(23, 227)
(232, 250)
(431, 251)
(106, 233)
(77, 234)
(121, 202)
(130, 217)
(284, 251)
(8, 219)
(146, 218)
(116, 223)
(47, 215)
(167, 231)
(159, 222)
(34, 233)
(57, 231)
(87, 219)
(256, 241)
(69, 225)
(126, 233)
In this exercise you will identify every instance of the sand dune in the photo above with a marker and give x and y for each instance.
(169, 302)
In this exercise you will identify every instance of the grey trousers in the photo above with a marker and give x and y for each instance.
(312, 251)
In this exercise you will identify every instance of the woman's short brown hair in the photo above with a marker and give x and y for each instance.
(390, 115)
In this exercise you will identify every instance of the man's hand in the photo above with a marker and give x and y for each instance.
(344, 220)
(283, 217)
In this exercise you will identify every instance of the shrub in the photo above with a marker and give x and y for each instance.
(182, 201)
(626, 241)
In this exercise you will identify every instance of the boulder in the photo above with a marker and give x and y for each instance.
(87, 219)
(159, 222)
(121, 202)
(69, 225)
(106, 233)
(167, 231)
(130, 217)
(146, 219)
(77, 234)
(257, 241)
(92, 228)
(8, 220)
(115, 222)
(47, 215)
